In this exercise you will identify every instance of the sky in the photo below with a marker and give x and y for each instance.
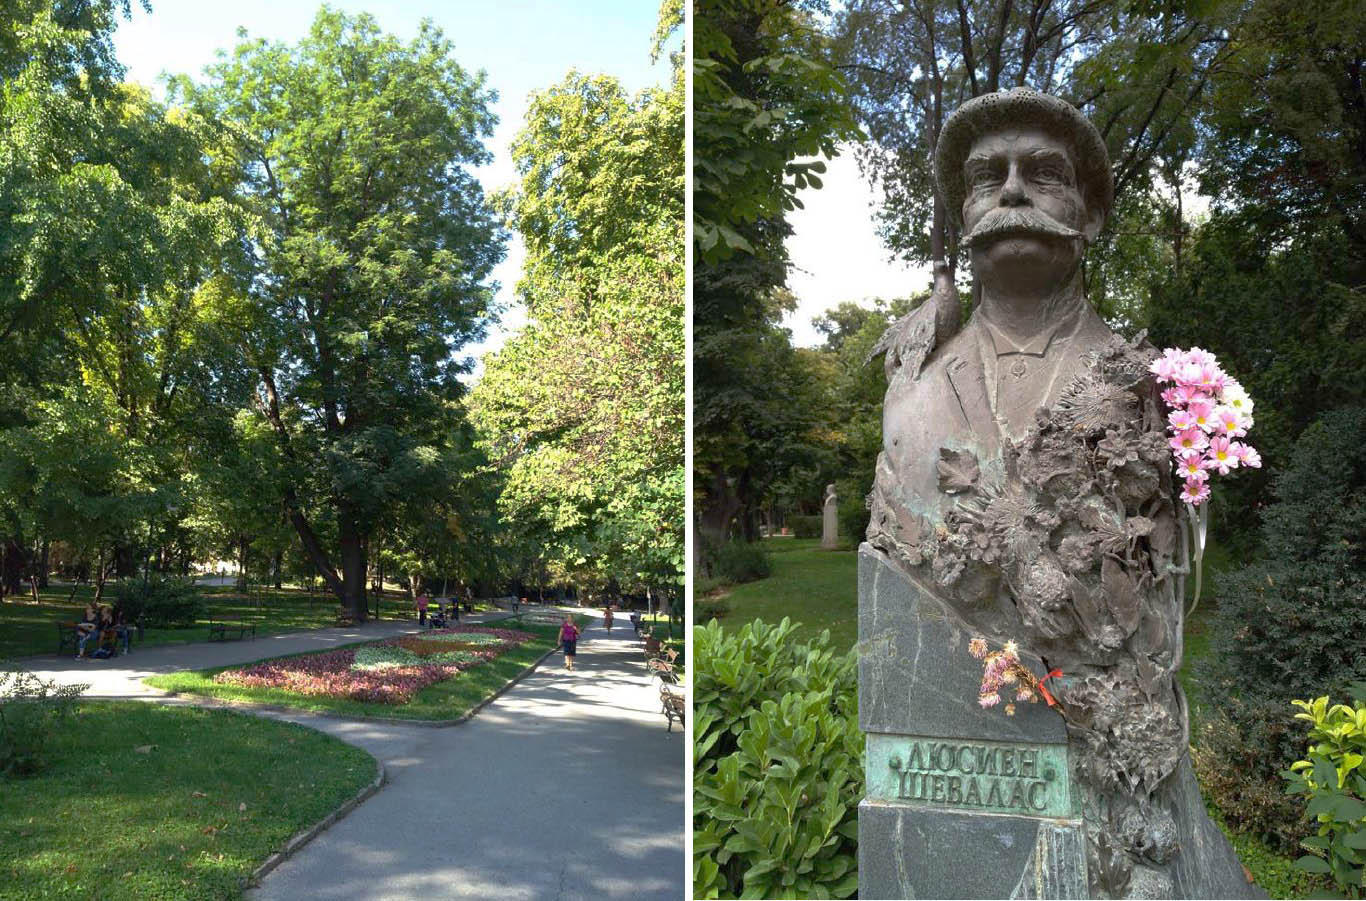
(836, 253)
(523, 45)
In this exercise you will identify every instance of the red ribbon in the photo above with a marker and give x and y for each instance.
(1044, 690)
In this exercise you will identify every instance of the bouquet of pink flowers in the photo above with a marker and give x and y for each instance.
(1209, 412)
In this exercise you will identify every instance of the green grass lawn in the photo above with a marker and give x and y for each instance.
(819, 590)
(27, 629)
(816, 588)
(443, 701)
(216, 794)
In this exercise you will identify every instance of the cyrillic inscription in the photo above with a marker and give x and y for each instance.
(992, 776)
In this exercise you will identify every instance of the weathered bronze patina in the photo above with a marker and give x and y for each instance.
(1024, 483)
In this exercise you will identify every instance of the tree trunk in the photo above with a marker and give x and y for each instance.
(241, 563)
(101, 573)
(718, 509)
(353, 569)
(44, 561)
(279, 569)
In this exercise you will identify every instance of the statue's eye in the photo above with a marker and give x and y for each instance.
(1050, 172)
(983, 176)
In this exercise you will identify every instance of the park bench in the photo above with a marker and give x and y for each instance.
(68, 638)
(664, 669)
(220, 626)
(674, 707)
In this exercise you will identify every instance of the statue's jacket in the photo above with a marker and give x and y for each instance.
(1058, 530)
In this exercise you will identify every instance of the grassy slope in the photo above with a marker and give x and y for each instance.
(442, 701)
(820, 590)
(814, 587)
(27, 629)
(106, 821)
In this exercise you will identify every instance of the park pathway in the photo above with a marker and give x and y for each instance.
(565, 787)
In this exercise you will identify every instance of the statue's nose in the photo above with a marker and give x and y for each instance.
(1013, 192)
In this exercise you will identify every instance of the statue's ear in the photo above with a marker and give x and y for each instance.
(1095, 221)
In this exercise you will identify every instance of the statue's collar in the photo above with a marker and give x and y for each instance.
(1037, 344)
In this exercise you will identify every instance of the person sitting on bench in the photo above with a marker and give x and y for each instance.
(122, 629)
(87, 628)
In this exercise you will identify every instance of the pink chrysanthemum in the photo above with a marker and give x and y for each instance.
(1202, 414)
(1221, 455)
(989, 700)
(1188, 442)
(1195, 493)
(977, 647)
(1248, 456)
(1228, 422)
(1191, 468)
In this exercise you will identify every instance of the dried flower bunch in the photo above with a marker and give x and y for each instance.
(1003, 671)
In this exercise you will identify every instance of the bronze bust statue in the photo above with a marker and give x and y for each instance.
(1024, 479)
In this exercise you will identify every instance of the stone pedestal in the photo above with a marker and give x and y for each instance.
(966, 802)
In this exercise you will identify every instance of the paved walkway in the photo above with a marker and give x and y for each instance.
(565, 787)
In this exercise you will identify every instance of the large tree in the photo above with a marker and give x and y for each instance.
(370, 270)
(584, 408)
(766, 100)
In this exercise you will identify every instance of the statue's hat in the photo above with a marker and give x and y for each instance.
(1021, 106)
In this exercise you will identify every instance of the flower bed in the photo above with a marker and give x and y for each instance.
(391, 671)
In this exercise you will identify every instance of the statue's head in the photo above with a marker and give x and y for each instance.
(1028, 178)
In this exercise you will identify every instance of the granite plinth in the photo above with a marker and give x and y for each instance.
(966, 802)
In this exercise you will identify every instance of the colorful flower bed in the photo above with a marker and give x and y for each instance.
(389, 671)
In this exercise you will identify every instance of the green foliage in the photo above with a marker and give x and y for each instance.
(161, 603)
(584, 408)
(777, 765)
(1331, 776)
(765, 95)
(804, 526)
(31, 713)
(1283, 625)
(706, 608)
(1232, 773)
(741, 561)
(373, 248)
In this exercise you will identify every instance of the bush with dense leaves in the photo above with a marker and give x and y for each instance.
(1290, 626)
(804, 526)
(741, 561)
(162, 603)
(777, 765)
(1333, 777)
(31, 711)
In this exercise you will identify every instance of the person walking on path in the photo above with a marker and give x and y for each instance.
(607, 617)
(422, 603)
(569, 639)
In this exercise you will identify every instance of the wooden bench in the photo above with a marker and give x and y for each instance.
(664, 669)
(220, 626)
(69, 638)
(674, 707)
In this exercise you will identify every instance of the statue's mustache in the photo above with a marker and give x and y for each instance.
(1016, 220)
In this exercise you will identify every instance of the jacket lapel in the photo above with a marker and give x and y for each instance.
(967, 380)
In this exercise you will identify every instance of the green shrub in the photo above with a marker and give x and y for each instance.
(740, 561)
(777, 765)
(1333, 778)
(804, 526)
(1223, 757)
(31, 712)
(1284, 626)
(705, 609)
(161, 603)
